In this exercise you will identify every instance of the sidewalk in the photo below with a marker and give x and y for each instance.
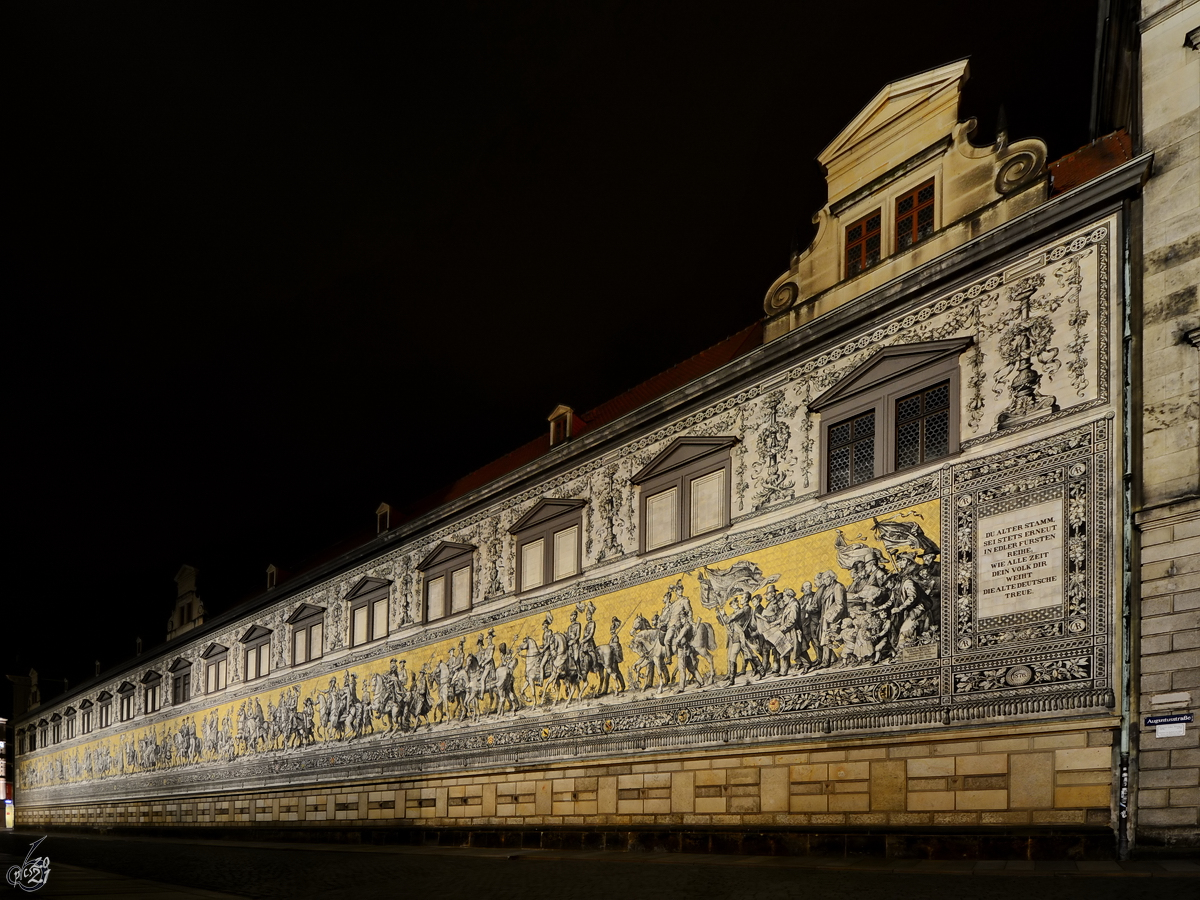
(75, 881)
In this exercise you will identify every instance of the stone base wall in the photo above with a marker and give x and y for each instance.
(1036, 776)
(1168, 781)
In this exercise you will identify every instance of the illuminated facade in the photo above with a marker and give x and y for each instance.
(861, 577)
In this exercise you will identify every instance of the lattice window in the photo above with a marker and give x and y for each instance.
(923, 426)
(852, 451)
(914, 216)
(863, 247)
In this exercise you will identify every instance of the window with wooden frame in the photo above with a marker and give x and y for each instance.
(367, 605)
(44, 732)
(549, 542)
(125, 695)
(216, 668)
(256, 651)
(863, 243)
(914, 216)
(181, 681)
(104, 709)
(449, 576)
(151, 692)
(308, 633)
(896, 411)
(56, 728)
(85, 717)
(684, 491)
(72, 721)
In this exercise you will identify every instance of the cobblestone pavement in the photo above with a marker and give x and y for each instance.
(149, 867)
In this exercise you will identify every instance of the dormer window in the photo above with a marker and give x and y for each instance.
(151, 692)
(257, 644)
(181, 681)
(448, 571)
(685, 491)
(308, 633)
(863, 243)
(914, 216)
(562, 425)
(898, 410)
(272, 576)
(216, 668)
(368, 607)
(383, 517)
(125, 701)
(548, 542)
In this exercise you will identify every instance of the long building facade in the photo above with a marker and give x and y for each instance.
(863, 580)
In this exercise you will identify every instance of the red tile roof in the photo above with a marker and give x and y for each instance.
(1090, 161)
(651, 389)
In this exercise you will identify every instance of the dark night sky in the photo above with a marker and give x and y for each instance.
(268, 268)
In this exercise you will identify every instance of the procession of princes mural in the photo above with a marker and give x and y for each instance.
(715, 627)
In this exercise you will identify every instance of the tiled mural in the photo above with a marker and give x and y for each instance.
(978, 589)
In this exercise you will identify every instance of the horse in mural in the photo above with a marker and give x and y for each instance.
(535, 676)
(560, 670)
(654, 656)
(389, 702)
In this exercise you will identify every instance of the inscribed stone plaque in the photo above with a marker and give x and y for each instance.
(1020, 556)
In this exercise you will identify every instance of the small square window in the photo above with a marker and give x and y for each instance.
(863, 244)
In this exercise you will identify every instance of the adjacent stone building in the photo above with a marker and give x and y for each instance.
(857, 576)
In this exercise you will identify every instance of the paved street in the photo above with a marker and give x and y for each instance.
(85, 866)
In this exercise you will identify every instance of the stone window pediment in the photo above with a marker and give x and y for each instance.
(549, 542)
(895, 411)
(449, 577)
(684, 491)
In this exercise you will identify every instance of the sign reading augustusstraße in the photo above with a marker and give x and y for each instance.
(1169, 725)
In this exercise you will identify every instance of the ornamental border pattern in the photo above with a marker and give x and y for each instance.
(1039, 677)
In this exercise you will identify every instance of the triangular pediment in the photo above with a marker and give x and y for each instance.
(70, 711)
(368, 584)
(86, 704)
(304, 611)
(682, 451)
(125, 688)
(179, 665)
(545, 510)
(887, 365)
(150, 678)
(56, 718)
(254, 633)
(104, 695)
(213, 649)
(444, 553)
(892, 103)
